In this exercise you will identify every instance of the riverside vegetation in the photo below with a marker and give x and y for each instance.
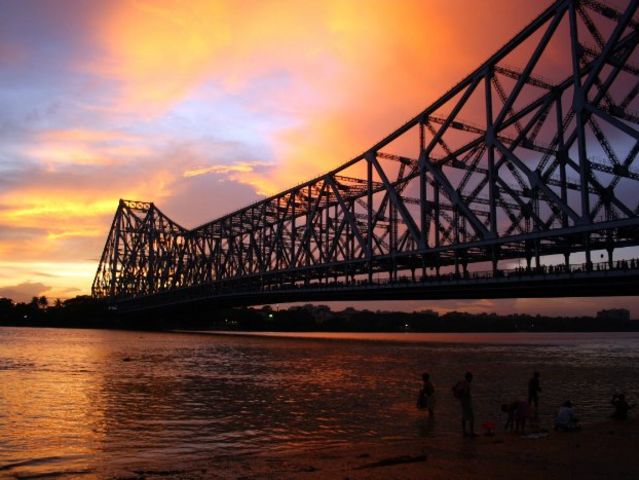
(87, 312)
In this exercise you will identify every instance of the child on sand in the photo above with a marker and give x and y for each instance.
(518, 412)
(565, 421)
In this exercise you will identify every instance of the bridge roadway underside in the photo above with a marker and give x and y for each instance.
(547, 285)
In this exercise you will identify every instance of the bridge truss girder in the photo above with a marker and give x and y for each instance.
(509, 164)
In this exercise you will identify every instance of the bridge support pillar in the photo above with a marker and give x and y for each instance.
(567, 261)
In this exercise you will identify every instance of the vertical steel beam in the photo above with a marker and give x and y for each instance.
(423, 187)
(578, 107)
(490, 148)
(369, 219)
(562, 155)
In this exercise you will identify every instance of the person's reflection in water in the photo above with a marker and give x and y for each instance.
(425, 426)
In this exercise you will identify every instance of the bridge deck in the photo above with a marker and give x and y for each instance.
(517, 283)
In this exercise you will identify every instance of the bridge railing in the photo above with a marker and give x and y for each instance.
(510, 273)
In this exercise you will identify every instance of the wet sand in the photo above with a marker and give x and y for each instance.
(608, 450)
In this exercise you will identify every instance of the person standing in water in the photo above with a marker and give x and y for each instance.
(621, 406)
(426, 397)
(461, 392)
(534, 388)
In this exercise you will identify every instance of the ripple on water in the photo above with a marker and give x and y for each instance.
(15, 364)
(48, 467)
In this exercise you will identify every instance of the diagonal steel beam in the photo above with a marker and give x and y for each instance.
(399, 204)
(535, 179)
(346, 212)
(455, 198)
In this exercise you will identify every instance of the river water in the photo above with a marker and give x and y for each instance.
(102, 404)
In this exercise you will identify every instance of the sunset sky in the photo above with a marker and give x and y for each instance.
(204, 106)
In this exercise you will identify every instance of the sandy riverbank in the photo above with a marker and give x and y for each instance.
(605, 451)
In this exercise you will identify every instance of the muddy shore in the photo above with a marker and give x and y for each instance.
(608, 450)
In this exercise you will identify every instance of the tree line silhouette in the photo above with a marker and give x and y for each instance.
(87, 312)
(81, 311)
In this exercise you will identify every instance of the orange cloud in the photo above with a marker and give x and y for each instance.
(30, 279)
(395, 58)
(55, 148)
(351, 74)
(59, 222)
(46, 225)
(224, 169)
(23, 292)
(34, 206)
(157, 50)
(160, 50)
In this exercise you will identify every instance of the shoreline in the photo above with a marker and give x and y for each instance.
(606, 450)
(276, 333)
(407, 338)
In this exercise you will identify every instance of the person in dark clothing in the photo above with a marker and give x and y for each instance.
(461, 391)
(533, 392)
(517, 412)
(621, 407)
(426, 399)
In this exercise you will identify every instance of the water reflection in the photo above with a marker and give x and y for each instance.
(51, 410)
(107, 403)
(425, 426)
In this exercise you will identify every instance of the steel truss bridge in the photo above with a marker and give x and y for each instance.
(511, 169)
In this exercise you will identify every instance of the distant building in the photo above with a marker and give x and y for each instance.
(616, 314)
